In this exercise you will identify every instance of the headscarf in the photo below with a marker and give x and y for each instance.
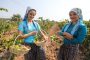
(79, 22)
(25, 19)
(78, 12)
(27, 10)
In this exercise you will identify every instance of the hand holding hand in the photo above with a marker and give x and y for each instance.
(68, 35)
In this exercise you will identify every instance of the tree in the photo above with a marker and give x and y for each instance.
(3, 9)
(40, 18)
(16, 17)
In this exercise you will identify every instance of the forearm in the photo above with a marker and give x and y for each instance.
(66, 35)
(42, 33)
(46, 37)
(22, 36)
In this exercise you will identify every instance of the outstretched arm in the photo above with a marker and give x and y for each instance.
(46, 37)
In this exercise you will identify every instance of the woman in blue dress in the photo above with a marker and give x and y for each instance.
(28, 28)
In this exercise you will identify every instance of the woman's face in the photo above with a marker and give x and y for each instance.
(73, 16)
(31, 14)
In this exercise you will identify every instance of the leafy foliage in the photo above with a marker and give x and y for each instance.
(8, 26)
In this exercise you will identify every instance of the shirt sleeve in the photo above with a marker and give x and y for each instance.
(81, 36)
(20, 26)
(61, 32)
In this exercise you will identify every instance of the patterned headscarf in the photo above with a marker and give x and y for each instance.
(78, 12)
(79, 22)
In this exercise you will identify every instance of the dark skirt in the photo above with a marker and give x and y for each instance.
(36, 53)
(69, 52)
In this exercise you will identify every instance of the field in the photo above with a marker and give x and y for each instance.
(8, 33)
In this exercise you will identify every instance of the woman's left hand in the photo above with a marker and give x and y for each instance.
(68, 35)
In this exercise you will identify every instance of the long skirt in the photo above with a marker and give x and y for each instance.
(69, 52)
(36, 53)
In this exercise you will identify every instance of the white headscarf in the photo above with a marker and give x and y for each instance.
(80, 20)
(27, 10)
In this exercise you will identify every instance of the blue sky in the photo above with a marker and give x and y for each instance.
(48, 9)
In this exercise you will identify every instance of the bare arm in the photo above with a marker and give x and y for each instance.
(22, 36)
(46, 37)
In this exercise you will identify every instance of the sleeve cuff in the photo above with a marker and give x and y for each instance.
(61, 33)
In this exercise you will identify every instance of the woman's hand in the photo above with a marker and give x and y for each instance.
(46, 37)
(44, 34)
(59, 38)
(68, 35)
